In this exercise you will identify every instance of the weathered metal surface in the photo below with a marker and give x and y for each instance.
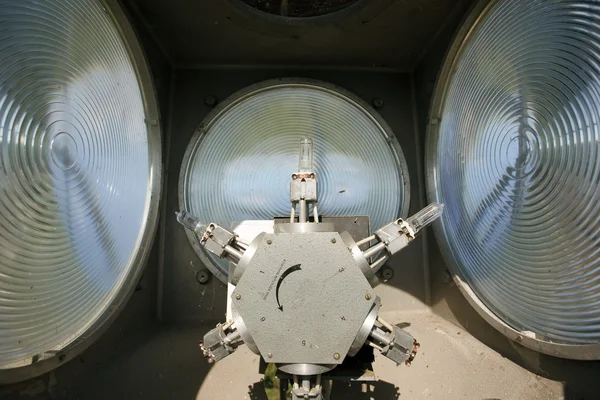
(378, 33)
(302, 298)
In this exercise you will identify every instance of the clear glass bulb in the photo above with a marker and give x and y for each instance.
(190, 222)
(305, 163)
(425, 217)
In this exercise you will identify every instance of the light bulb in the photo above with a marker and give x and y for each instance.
(305, 163)
(425, 217)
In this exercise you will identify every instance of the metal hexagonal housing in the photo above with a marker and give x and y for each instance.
(303, 298)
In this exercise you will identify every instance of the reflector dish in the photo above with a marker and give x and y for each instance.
(79, 168)
(514, 154)
(239, 163)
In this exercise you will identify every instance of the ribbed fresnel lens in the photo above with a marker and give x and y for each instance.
(238, 167)
(76, 173)
(515, 158)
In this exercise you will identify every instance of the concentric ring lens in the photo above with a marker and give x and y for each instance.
(514, 154)
(78, 168)
(238, 166)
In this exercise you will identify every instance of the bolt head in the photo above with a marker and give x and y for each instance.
(336, 356)
(211, 100)
(378, 102)
(202, 277)
(387, 273)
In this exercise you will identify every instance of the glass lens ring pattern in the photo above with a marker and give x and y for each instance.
(78, 169)
(515, 156)
(239, 164)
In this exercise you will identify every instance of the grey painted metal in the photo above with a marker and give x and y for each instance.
(357, 226)
(365, 329)
(237, 164)
(304, 227)
(386, 34)
(512, 151)
(351, 229)
(324, 300)
(81, 173)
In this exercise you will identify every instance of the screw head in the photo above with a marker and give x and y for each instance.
(368, 296)
(333, 240)
(336, 356)
(202, 277)
(377, 102)
(211, 101)
(270, 355)
(387, 273)
(238, 296)
(269, 241)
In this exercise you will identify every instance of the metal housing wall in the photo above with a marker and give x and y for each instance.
(204, 50)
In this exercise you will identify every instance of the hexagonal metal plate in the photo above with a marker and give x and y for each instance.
(303, 298)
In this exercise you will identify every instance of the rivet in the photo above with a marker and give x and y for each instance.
(336, 356)
(238, 296)
(368, 296)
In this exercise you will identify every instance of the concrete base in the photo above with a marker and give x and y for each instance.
(451, 365)
(164, 362)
